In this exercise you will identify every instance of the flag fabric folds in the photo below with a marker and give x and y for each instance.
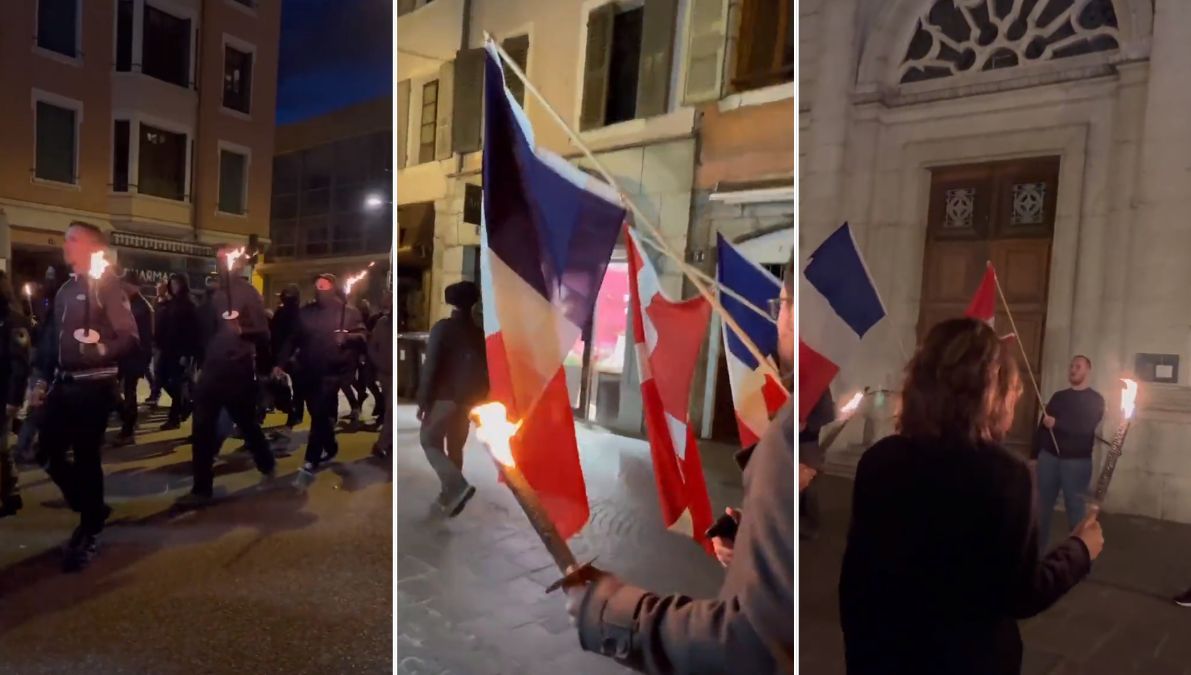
(667, 336)
(548, 230)
(756, 394)
(840, 305)
(984, 303)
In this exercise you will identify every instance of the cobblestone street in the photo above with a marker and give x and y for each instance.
(470, 590)
(1120, 620)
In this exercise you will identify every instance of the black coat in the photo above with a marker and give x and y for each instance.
(136, 364)
(942, 560)
(179, 332)
(15, 355)
(456, 366)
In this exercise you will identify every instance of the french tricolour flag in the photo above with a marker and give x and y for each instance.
(840, 305)
(756, 395)
(548, 233)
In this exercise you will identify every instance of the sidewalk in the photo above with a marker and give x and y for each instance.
(1120, 620)
(471, 590)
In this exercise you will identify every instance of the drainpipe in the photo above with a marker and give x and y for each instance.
(198, 116)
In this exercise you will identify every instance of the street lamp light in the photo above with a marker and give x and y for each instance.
(374, 201)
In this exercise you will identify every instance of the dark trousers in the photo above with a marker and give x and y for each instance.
(173, 380)
(236, 391)
(299, 388)
(128, 405)
(9, 483)
(76, 416)
(323, 400)
(444, 432)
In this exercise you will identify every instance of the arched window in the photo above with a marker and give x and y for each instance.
(961, 36)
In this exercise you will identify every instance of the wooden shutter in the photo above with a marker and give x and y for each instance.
(705, 51)
(657, 54)
(402, 123)
(446, 96)
(595, 66)
(468, 99)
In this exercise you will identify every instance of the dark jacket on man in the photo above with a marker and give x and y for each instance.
(749, 626)
(110, 315)
(283, 326)
(315, 345)
(455, 368)
(136, 364)
(233, 349)
(380, 345)
(179, 332)
(942, 559)
(15, 355)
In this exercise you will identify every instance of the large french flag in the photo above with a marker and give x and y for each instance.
(547, 235)
(668, 336)
(840, 305)
(756, 394)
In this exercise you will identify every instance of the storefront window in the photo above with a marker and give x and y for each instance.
(603, 348)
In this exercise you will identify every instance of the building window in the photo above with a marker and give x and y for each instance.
(237, 79)
(518, 48)
(765, 50)
(619, 82)
(58, 26)
(623, 66)
(120, 148)
(56, 143)
(162, 163)
(429, 121)
(233, 182)
(166, 47)
(124, 20)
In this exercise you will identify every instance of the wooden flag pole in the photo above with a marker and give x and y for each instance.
(1024, 357)
(696, 276)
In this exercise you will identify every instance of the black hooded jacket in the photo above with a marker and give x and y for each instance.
(179, 333)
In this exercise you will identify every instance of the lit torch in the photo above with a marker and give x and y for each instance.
(98, 265)
(347, 291)
(495, 430)
(1128, 400)
(845, 414)
(28, 290)
(231, 256)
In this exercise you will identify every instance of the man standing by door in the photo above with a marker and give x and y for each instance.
(83, 389)
(1073, 415)
(454, 377)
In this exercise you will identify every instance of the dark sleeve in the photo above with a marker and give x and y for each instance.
(292, 341)
(751, 631)
(125, 337)
(46, 361)
(357, 334)
(18, 360)
(256, 328)
(1038, 581)
(430, 365)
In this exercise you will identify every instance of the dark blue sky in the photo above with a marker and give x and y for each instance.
(333, 53)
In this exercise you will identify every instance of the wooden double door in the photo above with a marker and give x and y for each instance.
(1003, 213)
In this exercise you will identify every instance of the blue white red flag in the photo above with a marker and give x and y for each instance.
(548, 233)
(840, 305)
(756, 394)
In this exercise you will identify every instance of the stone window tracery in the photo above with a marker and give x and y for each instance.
(961, 36)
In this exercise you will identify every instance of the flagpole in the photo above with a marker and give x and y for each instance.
(1024, 357)
(693, 274)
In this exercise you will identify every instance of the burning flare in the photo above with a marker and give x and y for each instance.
(28, 288)
(98, 265)
(232, 256)
(355, 278)
(1128, 398)
(495, 430)
(852, 404)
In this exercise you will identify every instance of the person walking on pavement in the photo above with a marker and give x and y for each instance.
(228, 382)
(942, 556)
(159, 301)
(14, 378)
(282, 327)
(1072, 415)
(135, 365)
(327, 345)
(83, 390)
(380, 354)
(179, 341)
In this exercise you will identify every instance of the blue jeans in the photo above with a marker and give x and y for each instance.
(1072, 477)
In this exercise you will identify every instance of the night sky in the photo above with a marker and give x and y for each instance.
(333, 53)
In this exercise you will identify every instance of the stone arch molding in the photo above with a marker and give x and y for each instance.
(906, 45)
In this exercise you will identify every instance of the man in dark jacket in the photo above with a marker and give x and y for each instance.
(136, 365)
(83, 390)
(179, 342)
(282, 328)
(454, 378)
(749, 627)
(228, 381)
(327, 345)
(14, 376)
(380, 354)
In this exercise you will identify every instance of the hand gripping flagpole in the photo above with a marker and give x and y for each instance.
(696, 276)
(1026, 359)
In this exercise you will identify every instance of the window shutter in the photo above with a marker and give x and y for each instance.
(518, 48)
(402, 123)
(446, 95)
(657, 55)
(705, 51)
(468, 99)
(595, 67)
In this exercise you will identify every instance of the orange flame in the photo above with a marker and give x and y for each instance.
(355, 278)
(1128, 398)
(495, 430)
(98, 265)
(28, 290)
(852, 404)
(232, 256)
